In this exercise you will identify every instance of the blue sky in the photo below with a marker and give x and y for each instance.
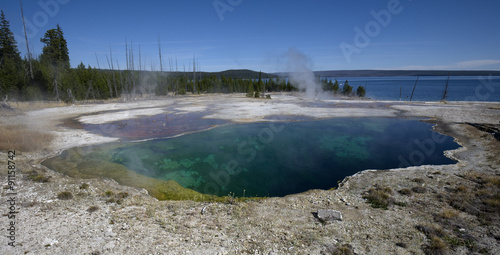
(255, 34)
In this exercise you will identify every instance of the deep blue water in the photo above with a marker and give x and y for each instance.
(277, 159)
(429, 88)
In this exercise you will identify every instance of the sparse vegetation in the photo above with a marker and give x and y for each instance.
(472, 197)
(230, 199)
(122, 195)
(449, 214)
(23, 138)
(418, 180)
(434, 233)
(379, 197)
(84, 186)
(65, 195)
(118, 198)
(481, 197)
(437, 246)
(93, 209)
(419, 189)
(339, 249)
(37, 177)
(405, 192)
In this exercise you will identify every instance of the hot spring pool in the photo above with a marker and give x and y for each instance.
(260, 159)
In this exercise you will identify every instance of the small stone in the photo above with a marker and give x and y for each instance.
(109, 246)
(109, 233)
(49, 242)
(328, 215)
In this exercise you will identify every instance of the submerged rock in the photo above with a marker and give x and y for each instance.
(325, 215)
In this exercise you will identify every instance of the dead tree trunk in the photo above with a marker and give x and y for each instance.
(27, 45)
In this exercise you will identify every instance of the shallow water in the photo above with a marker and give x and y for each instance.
(268, 159)
(157, 126)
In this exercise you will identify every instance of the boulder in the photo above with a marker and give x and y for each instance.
(325, 215)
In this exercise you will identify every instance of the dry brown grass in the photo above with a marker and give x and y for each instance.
(23, 138)
(36, 105)
(481, 197)
(379, 197)
(449, 213)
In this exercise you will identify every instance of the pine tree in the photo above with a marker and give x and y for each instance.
(8, 44)
(347, 89)
(11, 76)
(336, 87)
(360, 92)
(55, 51)
(258, 86)
(55, 54)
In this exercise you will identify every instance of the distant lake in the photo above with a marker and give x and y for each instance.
(429, 88)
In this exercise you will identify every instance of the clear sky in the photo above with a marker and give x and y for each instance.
(256, 34)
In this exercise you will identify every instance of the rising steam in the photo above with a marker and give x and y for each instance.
(300, 74)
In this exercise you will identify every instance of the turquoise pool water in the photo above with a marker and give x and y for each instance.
(281, 158)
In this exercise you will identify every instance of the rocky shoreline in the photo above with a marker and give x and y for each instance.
(419, 211)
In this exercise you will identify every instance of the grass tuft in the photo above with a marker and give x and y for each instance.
(36, 177)
(418, 180)
(65, 195)
(231, 199)
(84, 186)
(93, 209)
(118, 198)
(437, 246)
(405, 192)
(449, 214)
(379, 197)
(418, 189)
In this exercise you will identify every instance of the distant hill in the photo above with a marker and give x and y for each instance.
(244, 74)
(233, 73)
(380, 73)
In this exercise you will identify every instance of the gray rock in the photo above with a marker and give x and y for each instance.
(328, 215)
(109, 246)
(49, 242)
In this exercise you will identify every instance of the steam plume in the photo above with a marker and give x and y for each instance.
(300, 74)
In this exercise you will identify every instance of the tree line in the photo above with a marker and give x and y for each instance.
(49, 76)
